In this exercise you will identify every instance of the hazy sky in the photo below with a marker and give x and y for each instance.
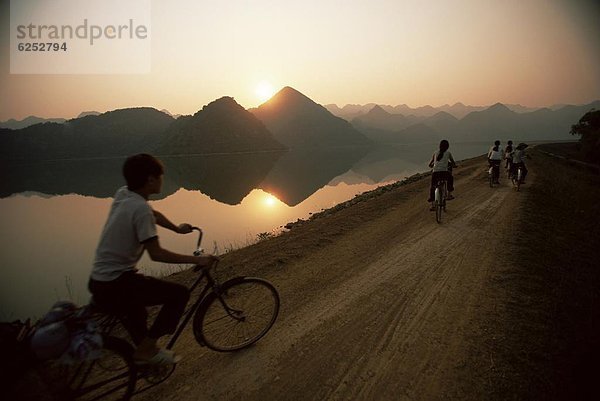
(532, 52)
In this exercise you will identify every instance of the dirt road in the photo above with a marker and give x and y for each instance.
(378, 302)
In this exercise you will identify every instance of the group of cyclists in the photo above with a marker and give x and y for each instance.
(515, 158)
(442, 163)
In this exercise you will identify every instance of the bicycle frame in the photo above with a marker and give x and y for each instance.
(111, 320)
(441, 191)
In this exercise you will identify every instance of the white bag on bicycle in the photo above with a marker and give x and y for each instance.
(67, 334)
(85, 344)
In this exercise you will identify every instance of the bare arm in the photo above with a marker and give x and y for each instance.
(432, 160)
(162, 221)
(451, 161)
(159, 254)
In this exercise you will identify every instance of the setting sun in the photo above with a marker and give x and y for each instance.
(270, 200)
(264, 91)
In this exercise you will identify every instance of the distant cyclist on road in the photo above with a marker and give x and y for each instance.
(518, 160)
(495, 159)
(508, 156)
(442, 163)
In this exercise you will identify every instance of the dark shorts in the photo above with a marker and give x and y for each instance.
(128, 296)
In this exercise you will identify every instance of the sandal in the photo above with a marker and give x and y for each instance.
(162, 357)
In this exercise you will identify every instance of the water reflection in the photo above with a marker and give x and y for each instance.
(52, 213)
(225, 178)
(291, 177)
(299, 174)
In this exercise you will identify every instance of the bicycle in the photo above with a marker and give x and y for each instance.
(226, 317)
(439, 199)
(494, 174)
(517, 178)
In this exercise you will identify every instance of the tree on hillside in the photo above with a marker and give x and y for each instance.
(589, 129)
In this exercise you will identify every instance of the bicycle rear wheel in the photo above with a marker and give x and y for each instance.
(239, 314)
(112, 376)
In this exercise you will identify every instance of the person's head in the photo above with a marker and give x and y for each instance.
(444, 145)
(510, 143)
(497, 143)
(521, 146)
(143, 171)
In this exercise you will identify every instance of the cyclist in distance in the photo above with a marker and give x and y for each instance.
(508, 150)
(441, 164)
(115, 283)
(495, 159)
(518, 160)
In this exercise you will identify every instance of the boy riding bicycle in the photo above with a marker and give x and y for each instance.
(116, 284)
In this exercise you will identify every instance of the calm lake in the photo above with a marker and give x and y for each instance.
(52, 213)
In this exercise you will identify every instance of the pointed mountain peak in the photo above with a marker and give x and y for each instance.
(443, 115)
(221, 105)
(499, 107)
(288, 95)
(288, 91)
(377, 110)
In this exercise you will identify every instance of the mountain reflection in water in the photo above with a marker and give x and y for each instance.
(53, 212)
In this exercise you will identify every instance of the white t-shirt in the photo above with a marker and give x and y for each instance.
(130, 223)
(518, 156)
(441, 165)
(495, 154)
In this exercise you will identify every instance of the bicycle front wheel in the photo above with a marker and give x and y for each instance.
(236, 316)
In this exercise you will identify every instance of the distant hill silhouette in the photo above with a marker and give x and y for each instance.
(441, 121)
(378, 118)
(459, 110)
(115, 133)
(26, 122)
(171, 114)
(351, 111)
(495, 122)
(298, 122)
(222, 126)
(499, 122)
(88, 113)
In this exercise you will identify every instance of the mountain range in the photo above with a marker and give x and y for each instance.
(220, 127)
(458, 110)
(289, 120)
(495, 122)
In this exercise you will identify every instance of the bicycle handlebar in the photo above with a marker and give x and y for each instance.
(199, 238)
(199, 251)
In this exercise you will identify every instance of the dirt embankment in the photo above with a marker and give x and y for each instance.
(381, 302)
